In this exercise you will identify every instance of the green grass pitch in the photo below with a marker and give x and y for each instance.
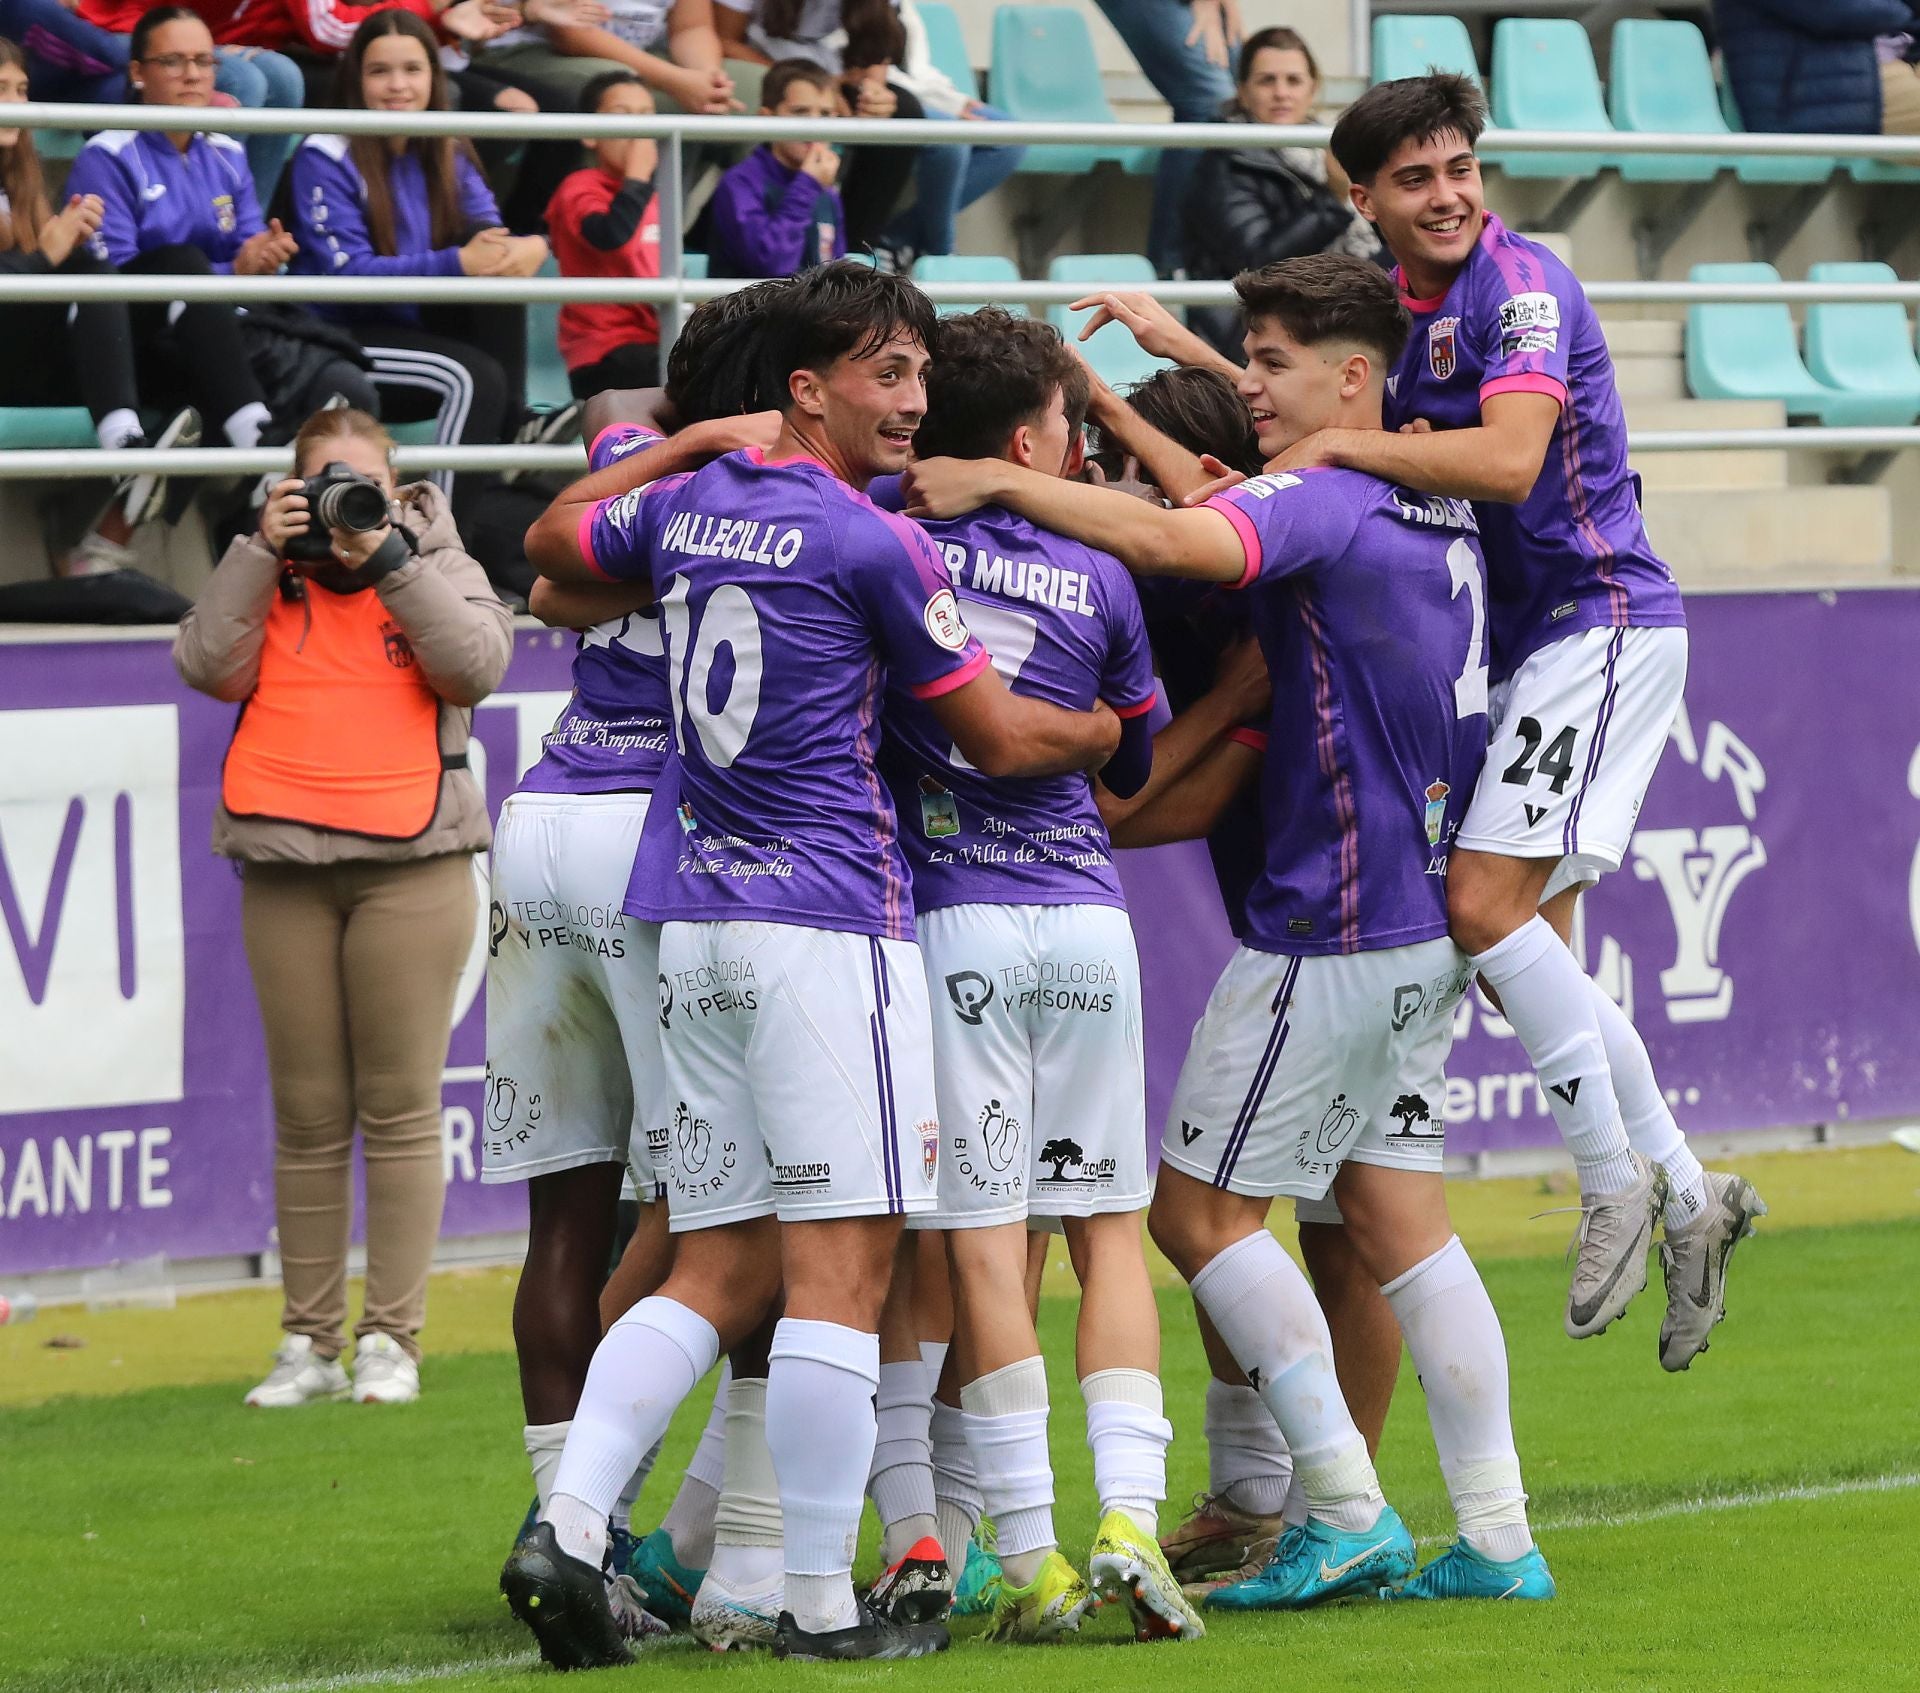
(1751, 1523)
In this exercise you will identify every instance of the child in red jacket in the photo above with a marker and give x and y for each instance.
(605, 221)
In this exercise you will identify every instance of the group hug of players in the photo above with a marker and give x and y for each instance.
(809, 915)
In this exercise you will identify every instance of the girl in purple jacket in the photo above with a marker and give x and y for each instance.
(393, 206)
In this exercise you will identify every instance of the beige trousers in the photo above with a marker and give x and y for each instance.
(1899, 99)
(356, 966)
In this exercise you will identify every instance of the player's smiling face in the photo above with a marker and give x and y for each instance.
(868, 408)
(1429, 203)
(1291, 389)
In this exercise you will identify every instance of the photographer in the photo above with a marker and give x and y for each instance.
(356, 652)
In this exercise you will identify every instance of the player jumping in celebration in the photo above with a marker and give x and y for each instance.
(1318, 1062)
(1035, 985)
(792, 997)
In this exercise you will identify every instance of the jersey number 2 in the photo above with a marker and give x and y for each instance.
(1470, 686)
(727, 619)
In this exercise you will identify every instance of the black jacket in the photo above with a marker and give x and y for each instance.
(1807, 65)
(1247, 207)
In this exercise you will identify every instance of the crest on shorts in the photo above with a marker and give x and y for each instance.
(930, 1146)
(1442, 347)
(1436, 810)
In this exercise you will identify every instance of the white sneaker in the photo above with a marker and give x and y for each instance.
(298, 1377)
(742, 1619)
(382, 1372)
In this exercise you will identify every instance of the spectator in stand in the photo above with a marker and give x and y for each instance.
(369, 205)
(1185, 47)
(605, 221)
(1253, 206)
(81, 354)
(1822, 67)
(946, 180)
(183, 204)
(862, 44)
(777, 212)
(346, 799)
(671, 46)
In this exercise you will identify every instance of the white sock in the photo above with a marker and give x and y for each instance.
(621, 1516)
(933, 1354)
(1548, 999)
(902, 1479)
(647, 1363)
(1650, 1125)
(1248, 1463)
(1129, 1435)
(748, 1549)
(1267, 1315)
(1294, 1512)
(689, 1519)
(244, 427)
(1460, 1355)
(544, 1443)
(116, 429)
(957, 1504)
(820, 1430)
(1005, 1414)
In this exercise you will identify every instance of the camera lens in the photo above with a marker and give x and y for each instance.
(355, 505)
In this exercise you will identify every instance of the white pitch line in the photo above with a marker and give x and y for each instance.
(1702, 1505)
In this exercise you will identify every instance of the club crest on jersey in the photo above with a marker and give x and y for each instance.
(1442, 347)
(930, 1147)
(944, 622)
(1436, 810)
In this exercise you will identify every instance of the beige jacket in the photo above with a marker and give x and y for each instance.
(462, 638)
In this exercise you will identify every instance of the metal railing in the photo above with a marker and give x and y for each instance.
(674, 292)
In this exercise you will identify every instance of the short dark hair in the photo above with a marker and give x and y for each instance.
(1195, 408)
(841, 310)
(1279, 39)
(1322, 297)
(993, 371)
(712, 371)
(591, 95)
(782, 76)
(1416, 109)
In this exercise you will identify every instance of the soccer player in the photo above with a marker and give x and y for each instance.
(1318, 1062)
(1035, 985)
(792, 998)
(1589, 658)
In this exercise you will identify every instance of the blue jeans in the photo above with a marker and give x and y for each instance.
(67, 57)
(256, 77)
(946, 181)
(1155, 32)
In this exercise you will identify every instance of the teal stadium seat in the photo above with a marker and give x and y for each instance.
(1405, 47)
(1544, 77)
(1663, 83)
(26, 428)
(1044, 71)
(1866, 351)
(990, 270)
(693, 266)
(547, 387)
(1793, 170)
(1748, 352)
(947, 46)
(1113, 352)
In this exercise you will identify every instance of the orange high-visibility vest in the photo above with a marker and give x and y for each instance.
(342, 731)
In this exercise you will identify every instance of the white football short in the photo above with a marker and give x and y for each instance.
(1575, 734)
(799, 1074)
(1298, 1065)
(1037, 1061)
(573, 1025)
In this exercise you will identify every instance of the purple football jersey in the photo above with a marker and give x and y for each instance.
(1575, 554)
(1063, 623)
(612, 735)
(1370, 605)
(782, 631)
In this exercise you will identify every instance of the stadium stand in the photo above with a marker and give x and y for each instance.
(1044, 71)
(947, 44)
(1864, 349)
(1411, 46)
(1544, 77)
(988, 269)
(1113, 353)
(1749, 352)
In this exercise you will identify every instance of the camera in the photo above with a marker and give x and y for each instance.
(338, 498)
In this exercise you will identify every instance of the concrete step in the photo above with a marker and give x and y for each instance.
(1644, 337)
(1708, 470)
(1804, 536)
(1650, 378)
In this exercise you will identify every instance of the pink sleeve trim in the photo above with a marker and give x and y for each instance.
(1255, 738)
(637, 428)
(584, 537)
(1140, 710)
(1526, 382)
(953, 679)
(1243, 526)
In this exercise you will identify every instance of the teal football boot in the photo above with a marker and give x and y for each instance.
(1462, 1573)
(1316, 1562)
(667, 1586)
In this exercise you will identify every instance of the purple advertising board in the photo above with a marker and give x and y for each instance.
(1764, 931)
